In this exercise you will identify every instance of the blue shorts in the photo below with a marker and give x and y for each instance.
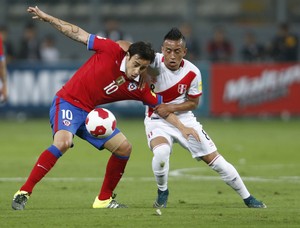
(65, 116)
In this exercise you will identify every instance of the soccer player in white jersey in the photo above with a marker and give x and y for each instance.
(179, 81)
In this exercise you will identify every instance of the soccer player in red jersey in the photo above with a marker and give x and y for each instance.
(109, 75)
(3, 88)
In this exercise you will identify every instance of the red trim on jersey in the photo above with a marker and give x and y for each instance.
(56, 114)
(174, 92)
(195, 96)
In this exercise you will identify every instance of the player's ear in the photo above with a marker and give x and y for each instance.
(185, 51)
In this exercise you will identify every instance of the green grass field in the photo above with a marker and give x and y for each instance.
(265, 152)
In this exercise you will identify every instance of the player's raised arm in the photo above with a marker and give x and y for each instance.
(70, 30)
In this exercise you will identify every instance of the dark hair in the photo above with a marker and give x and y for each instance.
(174, 34)
(143, 49)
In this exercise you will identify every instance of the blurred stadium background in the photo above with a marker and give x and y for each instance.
(150, 19)
(266, 153)
(33, 83)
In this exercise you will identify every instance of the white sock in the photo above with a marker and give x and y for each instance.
(160, 165)
(229, 174)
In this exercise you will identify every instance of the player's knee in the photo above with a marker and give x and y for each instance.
(124, 149)
(63, 140)
(161, 154)
(160, 172)
(63, 145)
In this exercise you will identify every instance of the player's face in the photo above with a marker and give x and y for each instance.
(135, 66)
(173, 51)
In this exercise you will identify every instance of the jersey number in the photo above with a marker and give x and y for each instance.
(66, 114)
(111, 88)
(206, 136)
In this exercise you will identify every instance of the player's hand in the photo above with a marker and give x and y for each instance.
(37, 13)
(188, 132)
(142, 81)
(148, 77)
(153, 73)
(163, 110)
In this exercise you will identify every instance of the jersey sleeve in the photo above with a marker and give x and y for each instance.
(150, 98)
(157, 61)
(98, 43)
(195, 89)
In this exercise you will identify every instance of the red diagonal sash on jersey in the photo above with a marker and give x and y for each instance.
(179, 88)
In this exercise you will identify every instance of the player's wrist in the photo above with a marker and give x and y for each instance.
(172, 108)
(166, 116)
(48, 18)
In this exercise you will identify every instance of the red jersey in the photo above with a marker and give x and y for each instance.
(1, 49)
(102, 79)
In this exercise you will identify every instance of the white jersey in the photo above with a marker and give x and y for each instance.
(175, 87)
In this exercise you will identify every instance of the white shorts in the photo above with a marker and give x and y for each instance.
(160, 127)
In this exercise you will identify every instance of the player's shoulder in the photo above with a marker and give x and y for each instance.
(104, 45)
(107, 40)
(159, 57)
(190, 66)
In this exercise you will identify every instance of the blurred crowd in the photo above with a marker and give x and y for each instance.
(283, 47)
(30, 47)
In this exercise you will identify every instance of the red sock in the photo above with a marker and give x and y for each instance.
(44, 164)
(114, 171)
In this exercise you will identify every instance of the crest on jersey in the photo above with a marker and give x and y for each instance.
(132, 86)
(182, 88)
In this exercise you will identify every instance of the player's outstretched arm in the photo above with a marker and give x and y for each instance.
(70, 30)
(186, 131)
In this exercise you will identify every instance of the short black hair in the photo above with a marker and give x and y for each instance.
(143, 49)
(174, 34)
